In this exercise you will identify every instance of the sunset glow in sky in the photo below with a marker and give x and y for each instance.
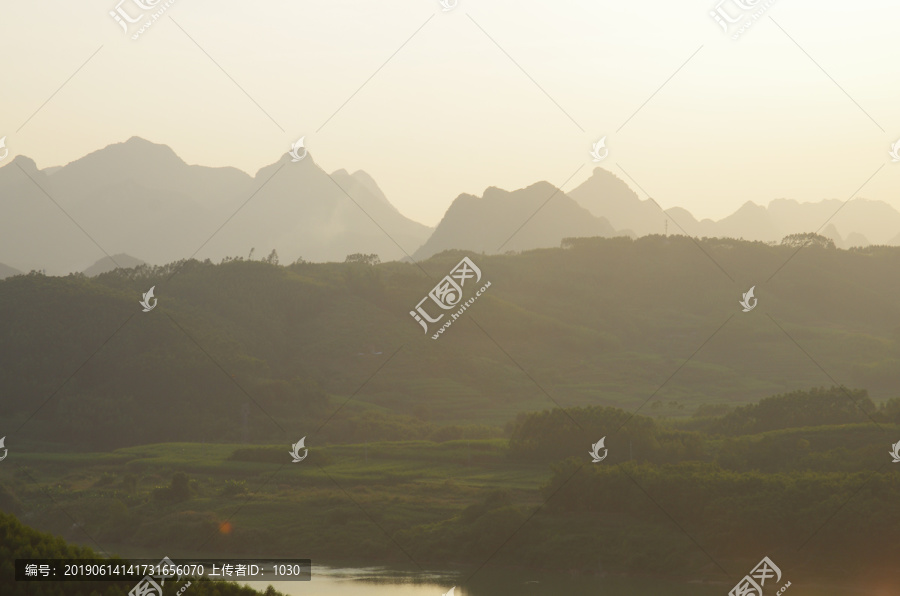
(494, 93)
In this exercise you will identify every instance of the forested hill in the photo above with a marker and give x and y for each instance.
(599, 322)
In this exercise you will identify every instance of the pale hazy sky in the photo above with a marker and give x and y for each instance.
(753, 119)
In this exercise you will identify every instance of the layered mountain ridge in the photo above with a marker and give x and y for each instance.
(140, 198)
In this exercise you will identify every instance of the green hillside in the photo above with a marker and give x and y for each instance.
(601, 322)
(667, 501)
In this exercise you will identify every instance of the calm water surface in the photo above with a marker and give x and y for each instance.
(381, 582)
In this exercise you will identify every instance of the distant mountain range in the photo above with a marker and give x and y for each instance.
(863, 221)
(140, 198)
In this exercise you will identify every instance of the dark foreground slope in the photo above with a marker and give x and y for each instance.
(18, 541)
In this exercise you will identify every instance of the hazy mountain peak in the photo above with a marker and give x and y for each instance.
(606, 195)
(502, 220)
(601, 178)
(303, 166)
(140, 147)
(750, 206)
(369, 182)
(105, 264)
(680, 213)
(364, 177)
(136, 140)
(493, 193)
(544, 187)
(600, 173)
(360, 183)
(135, 158)
(25, 162)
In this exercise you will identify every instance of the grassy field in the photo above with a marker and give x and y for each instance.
(667, 503)
(254, 500)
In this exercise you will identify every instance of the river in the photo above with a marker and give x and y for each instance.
(380, 582)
